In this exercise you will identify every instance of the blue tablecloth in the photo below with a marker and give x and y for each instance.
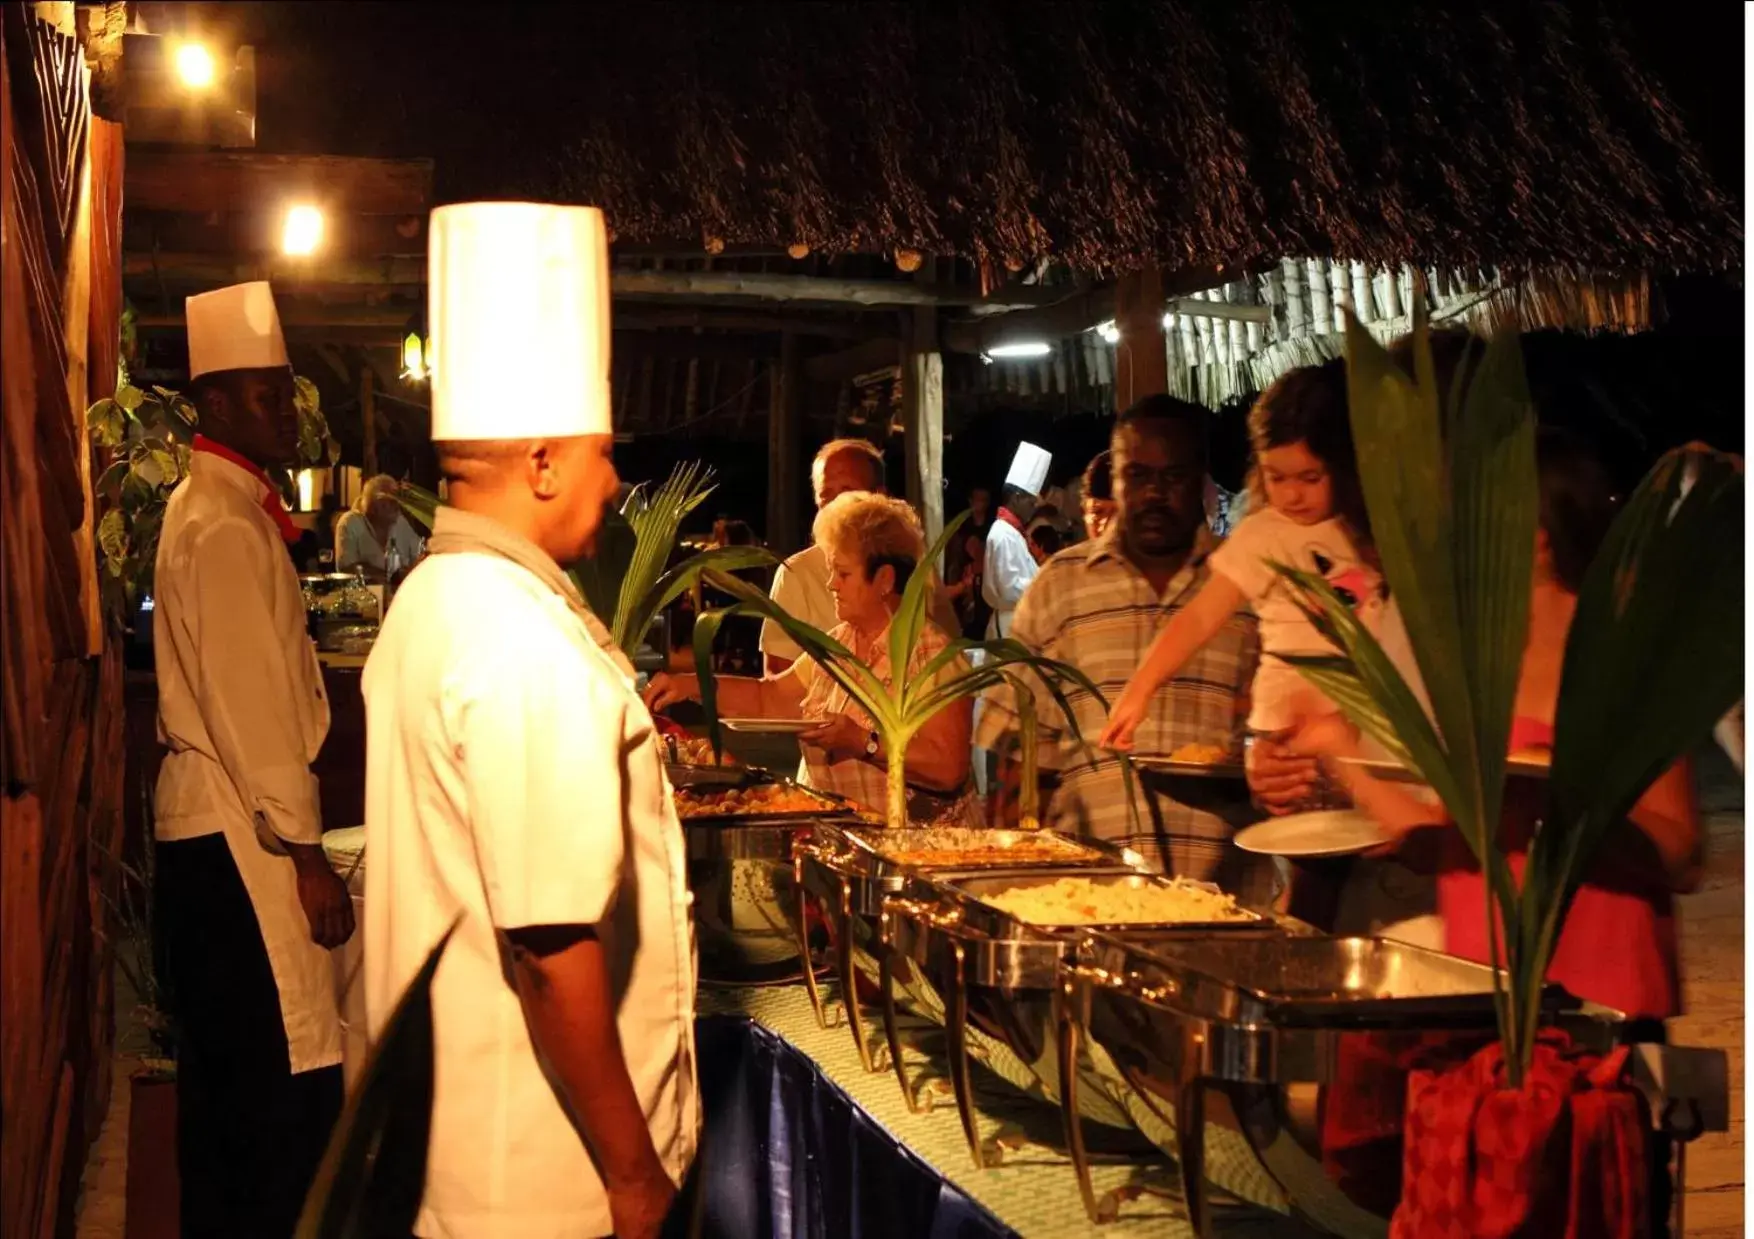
(787, 1155)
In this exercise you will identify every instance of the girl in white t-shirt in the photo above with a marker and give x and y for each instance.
(1307, 512)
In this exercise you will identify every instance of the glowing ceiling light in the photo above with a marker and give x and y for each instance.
(413, 358)
(1169, 322)
(304, 231)
(1110, 333)
(195, 66)
(1023, 348)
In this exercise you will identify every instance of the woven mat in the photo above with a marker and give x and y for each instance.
(1033, 1189)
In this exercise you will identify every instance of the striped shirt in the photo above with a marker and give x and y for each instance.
(1092, 608)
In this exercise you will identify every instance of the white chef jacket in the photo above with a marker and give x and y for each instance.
(242, 710)
(1009, 570)
(513, 778)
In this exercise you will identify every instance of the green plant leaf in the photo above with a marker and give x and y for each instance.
(684, 575)
(112, 535)
(107, 423)
(373, 1173)
(136, 492)
(109, 482)
(130, 397)
(655, 520)
(305, 396)
(910, 616)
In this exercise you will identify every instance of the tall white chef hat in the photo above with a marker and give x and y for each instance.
(235, 328)
(1029, 468)
(518, 308)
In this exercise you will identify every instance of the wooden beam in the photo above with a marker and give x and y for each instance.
(784, 451)
(256, 234)
(217, 270)
(843, 366)
(922, 412)
(1141, 356)
(356, 323)
(1219, 309)
(1065, 318)
(204, 181)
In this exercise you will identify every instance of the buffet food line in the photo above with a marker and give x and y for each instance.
(1074, 1042)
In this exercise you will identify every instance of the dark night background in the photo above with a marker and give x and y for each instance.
(486, 90)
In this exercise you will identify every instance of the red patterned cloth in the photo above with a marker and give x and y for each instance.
(1563, 1157)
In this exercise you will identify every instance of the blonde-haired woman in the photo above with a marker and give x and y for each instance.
(365, 534)
(871, 543)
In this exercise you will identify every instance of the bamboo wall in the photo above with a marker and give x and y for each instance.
(61, 745)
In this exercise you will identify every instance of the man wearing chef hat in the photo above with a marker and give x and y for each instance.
(1010, 567)
(247, 906)
(514, 783)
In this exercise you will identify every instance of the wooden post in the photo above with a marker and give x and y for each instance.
(922, 404)
(1141, 357)
(784, 458)
(368, 419)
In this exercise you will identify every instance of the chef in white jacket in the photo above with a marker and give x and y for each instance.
(1010, 567)
(246, 904)
(514, 783)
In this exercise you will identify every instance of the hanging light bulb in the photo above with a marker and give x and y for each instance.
(414, 366)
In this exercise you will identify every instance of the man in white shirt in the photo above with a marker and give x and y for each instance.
(374, 537)
(800, 585)
(514, 783)
(246, 904)
(1010, 567)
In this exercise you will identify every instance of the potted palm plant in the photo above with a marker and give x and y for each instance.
(898, 710)
(1653, 659)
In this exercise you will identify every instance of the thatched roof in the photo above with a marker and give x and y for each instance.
(1110, 134)
(1141, 132)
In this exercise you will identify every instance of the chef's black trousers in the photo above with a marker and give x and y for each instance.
(250, 1133)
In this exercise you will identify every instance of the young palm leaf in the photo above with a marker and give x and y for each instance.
(900, 709)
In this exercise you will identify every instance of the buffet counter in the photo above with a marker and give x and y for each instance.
(1032, 1191)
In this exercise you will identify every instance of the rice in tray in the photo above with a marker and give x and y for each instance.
(1093, 901)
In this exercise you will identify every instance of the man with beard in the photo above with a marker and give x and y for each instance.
(1097, 606)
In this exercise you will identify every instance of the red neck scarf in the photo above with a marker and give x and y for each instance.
(1010, 518)
(271, 504)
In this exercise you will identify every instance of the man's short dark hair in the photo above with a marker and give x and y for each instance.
(1099, 477)
(1152, 412)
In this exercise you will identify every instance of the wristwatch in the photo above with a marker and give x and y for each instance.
(871, 745)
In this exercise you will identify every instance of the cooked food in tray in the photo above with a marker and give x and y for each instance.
(762, 800)
(978, 849)
(1099, 901)
(1200, 755)
(696, 751)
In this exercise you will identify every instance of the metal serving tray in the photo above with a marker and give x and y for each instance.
(982, 849)
(832, 807)
(843, 868)
(1253, 1015)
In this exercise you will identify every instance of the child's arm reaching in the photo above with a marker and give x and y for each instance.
(1193, 626)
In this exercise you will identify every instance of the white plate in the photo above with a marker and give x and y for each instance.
(1335, 832)
(1525, 766)
(769, 726)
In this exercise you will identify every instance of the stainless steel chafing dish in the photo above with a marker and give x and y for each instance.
(1251, 1014)
(990, 979)
(850, 871)
(740, 870)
